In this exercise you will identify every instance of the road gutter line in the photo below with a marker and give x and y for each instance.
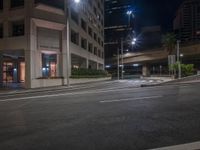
(188, 146)
(130, 99)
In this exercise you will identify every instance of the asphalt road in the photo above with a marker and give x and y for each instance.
(100, 116)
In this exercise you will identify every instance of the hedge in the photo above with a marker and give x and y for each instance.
(88, 73)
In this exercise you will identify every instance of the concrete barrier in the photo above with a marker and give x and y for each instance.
(41, 83)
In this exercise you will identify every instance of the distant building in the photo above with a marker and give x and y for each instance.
(34, 37)
(118, 24)
(150, 38)
(187, 21)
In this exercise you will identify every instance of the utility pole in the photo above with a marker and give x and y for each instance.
(122, 57)
(118, 63)
(67, 19)
(178, 59)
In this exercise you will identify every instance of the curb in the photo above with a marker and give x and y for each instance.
(168, 84)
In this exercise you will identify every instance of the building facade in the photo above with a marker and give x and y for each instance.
(118, 24)
(187, 21)
(38, 48)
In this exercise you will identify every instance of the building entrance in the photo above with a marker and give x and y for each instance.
(8, 72)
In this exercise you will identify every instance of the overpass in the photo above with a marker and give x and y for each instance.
(189, 50)
(160, 54)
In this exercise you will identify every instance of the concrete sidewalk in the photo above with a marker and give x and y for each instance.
(161, 79)
(174, 82)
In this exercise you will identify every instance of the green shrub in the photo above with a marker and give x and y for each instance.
(88, 73)
(186, 69)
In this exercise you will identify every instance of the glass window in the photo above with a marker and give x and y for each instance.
(95, 36)
(99, 41)
(102, 54)
(16, 3)
(18, 28)
(99, 53)
(74, 37)
(95, 50)
(95, 10)
(1, 30)
(90, 31)
(84, 43)
(83, 25)
(8, 72)
(49, 65)
(90, 47)
(74, 16)
(1, 4)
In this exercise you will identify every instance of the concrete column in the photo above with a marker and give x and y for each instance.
(6, 24)
(1, 69)
(145, 71)
(87, 63)
(97, 66)
(28, 74)
(63, 55)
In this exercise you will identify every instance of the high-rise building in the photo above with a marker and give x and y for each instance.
(38, 47)
(119, 16)
(187, 21)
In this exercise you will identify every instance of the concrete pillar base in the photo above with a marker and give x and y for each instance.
(1, 70)
(145, 71)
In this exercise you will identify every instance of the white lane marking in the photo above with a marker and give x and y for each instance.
(188, 146)
(130, 99)
(66, 94)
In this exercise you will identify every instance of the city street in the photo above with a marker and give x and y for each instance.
(109, 115)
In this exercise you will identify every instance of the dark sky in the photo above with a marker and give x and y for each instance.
(157, 12)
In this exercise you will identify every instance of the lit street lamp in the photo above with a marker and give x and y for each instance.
(76, 1)
(133, 42)
(129, 13)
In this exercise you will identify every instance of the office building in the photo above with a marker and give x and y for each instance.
(187, 21)
(118, 24)
(39, 49)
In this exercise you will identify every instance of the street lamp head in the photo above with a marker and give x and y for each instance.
(133, 43)
(129, 12)
(181, 55)
(134, 39)
(77, 1)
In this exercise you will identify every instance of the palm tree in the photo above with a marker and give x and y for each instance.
(169, 42)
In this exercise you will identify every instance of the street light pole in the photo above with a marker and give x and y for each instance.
(129, 13)
(67, 21)
(122, 57)
(68, 42)
(118, 63)
(178, 59)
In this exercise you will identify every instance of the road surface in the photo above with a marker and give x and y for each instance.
(100, 116)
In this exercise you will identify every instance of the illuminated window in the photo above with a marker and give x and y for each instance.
(49, 65)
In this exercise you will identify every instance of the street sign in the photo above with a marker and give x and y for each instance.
(171, 59)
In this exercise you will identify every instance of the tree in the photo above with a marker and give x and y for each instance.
(169, 42)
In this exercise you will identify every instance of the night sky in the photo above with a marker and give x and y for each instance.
(156, 12)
